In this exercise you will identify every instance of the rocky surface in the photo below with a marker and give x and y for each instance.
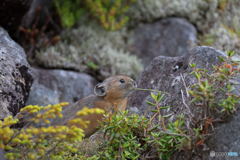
(172, 75)
(167, 37)
(167, 73)
(226, 137)
(55, 86)
(2, 155)
(15, 76)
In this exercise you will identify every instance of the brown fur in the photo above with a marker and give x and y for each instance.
(115, 99)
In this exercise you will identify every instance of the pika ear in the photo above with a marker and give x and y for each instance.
(100, 90)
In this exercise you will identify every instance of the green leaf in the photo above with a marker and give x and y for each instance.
(230, 53)
(150, 103)
(193, 65)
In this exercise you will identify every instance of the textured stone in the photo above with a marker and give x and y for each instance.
(164, 74)
(15, 76)
(167, 37)
(55, 86)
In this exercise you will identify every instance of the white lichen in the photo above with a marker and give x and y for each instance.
(90, 48)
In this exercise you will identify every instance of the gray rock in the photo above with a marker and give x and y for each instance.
(164, 74)
(55, 86)
(226, 137)
(172, 75)
(167, 37)
(15, 76)
(2, 155)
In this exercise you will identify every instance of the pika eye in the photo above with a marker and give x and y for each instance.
(122, 81)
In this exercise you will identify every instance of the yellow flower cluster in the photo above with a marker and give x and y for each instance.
(86, 111)
(32, 142)
(43, 113)
(78, 121)
(5, 131)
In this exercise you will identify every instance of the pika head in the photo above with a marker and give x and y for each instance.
(115, 87)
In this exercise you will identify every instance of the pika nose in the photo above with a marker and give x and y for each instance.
(134, 84)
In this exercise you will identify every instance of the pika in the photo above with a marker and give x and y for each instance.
(110, 95)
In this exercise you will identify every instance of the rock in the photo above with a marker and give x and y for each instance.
(226, 137)
(11, 13)
(164, 74)
(167, 37)
(55, 86)
(172, 75)
(2, 155)
(15, 76)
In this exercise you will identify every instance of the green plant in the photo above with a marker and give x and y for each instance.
(214, 90)
(215, 94)
(121, 132)
(110, 13)
(70, 11)
(130, 136)
(167, 137)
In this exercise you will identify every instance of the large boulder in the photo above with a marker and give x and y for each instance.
(167, 37)
(172, 76)
(167, 73)
(55, 86)
(15, 76)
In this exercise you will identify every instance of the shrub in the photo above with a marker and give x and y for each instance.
(110, 13)
(214, 90)
(45, 141)
(69, 11)
(135, 137)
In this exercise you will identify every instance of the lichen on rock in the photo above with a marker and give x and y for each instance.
(150, 10)
(91, 49)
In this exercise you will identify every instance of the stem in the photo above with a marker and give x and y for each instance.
(175, 134)
(150, 90)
